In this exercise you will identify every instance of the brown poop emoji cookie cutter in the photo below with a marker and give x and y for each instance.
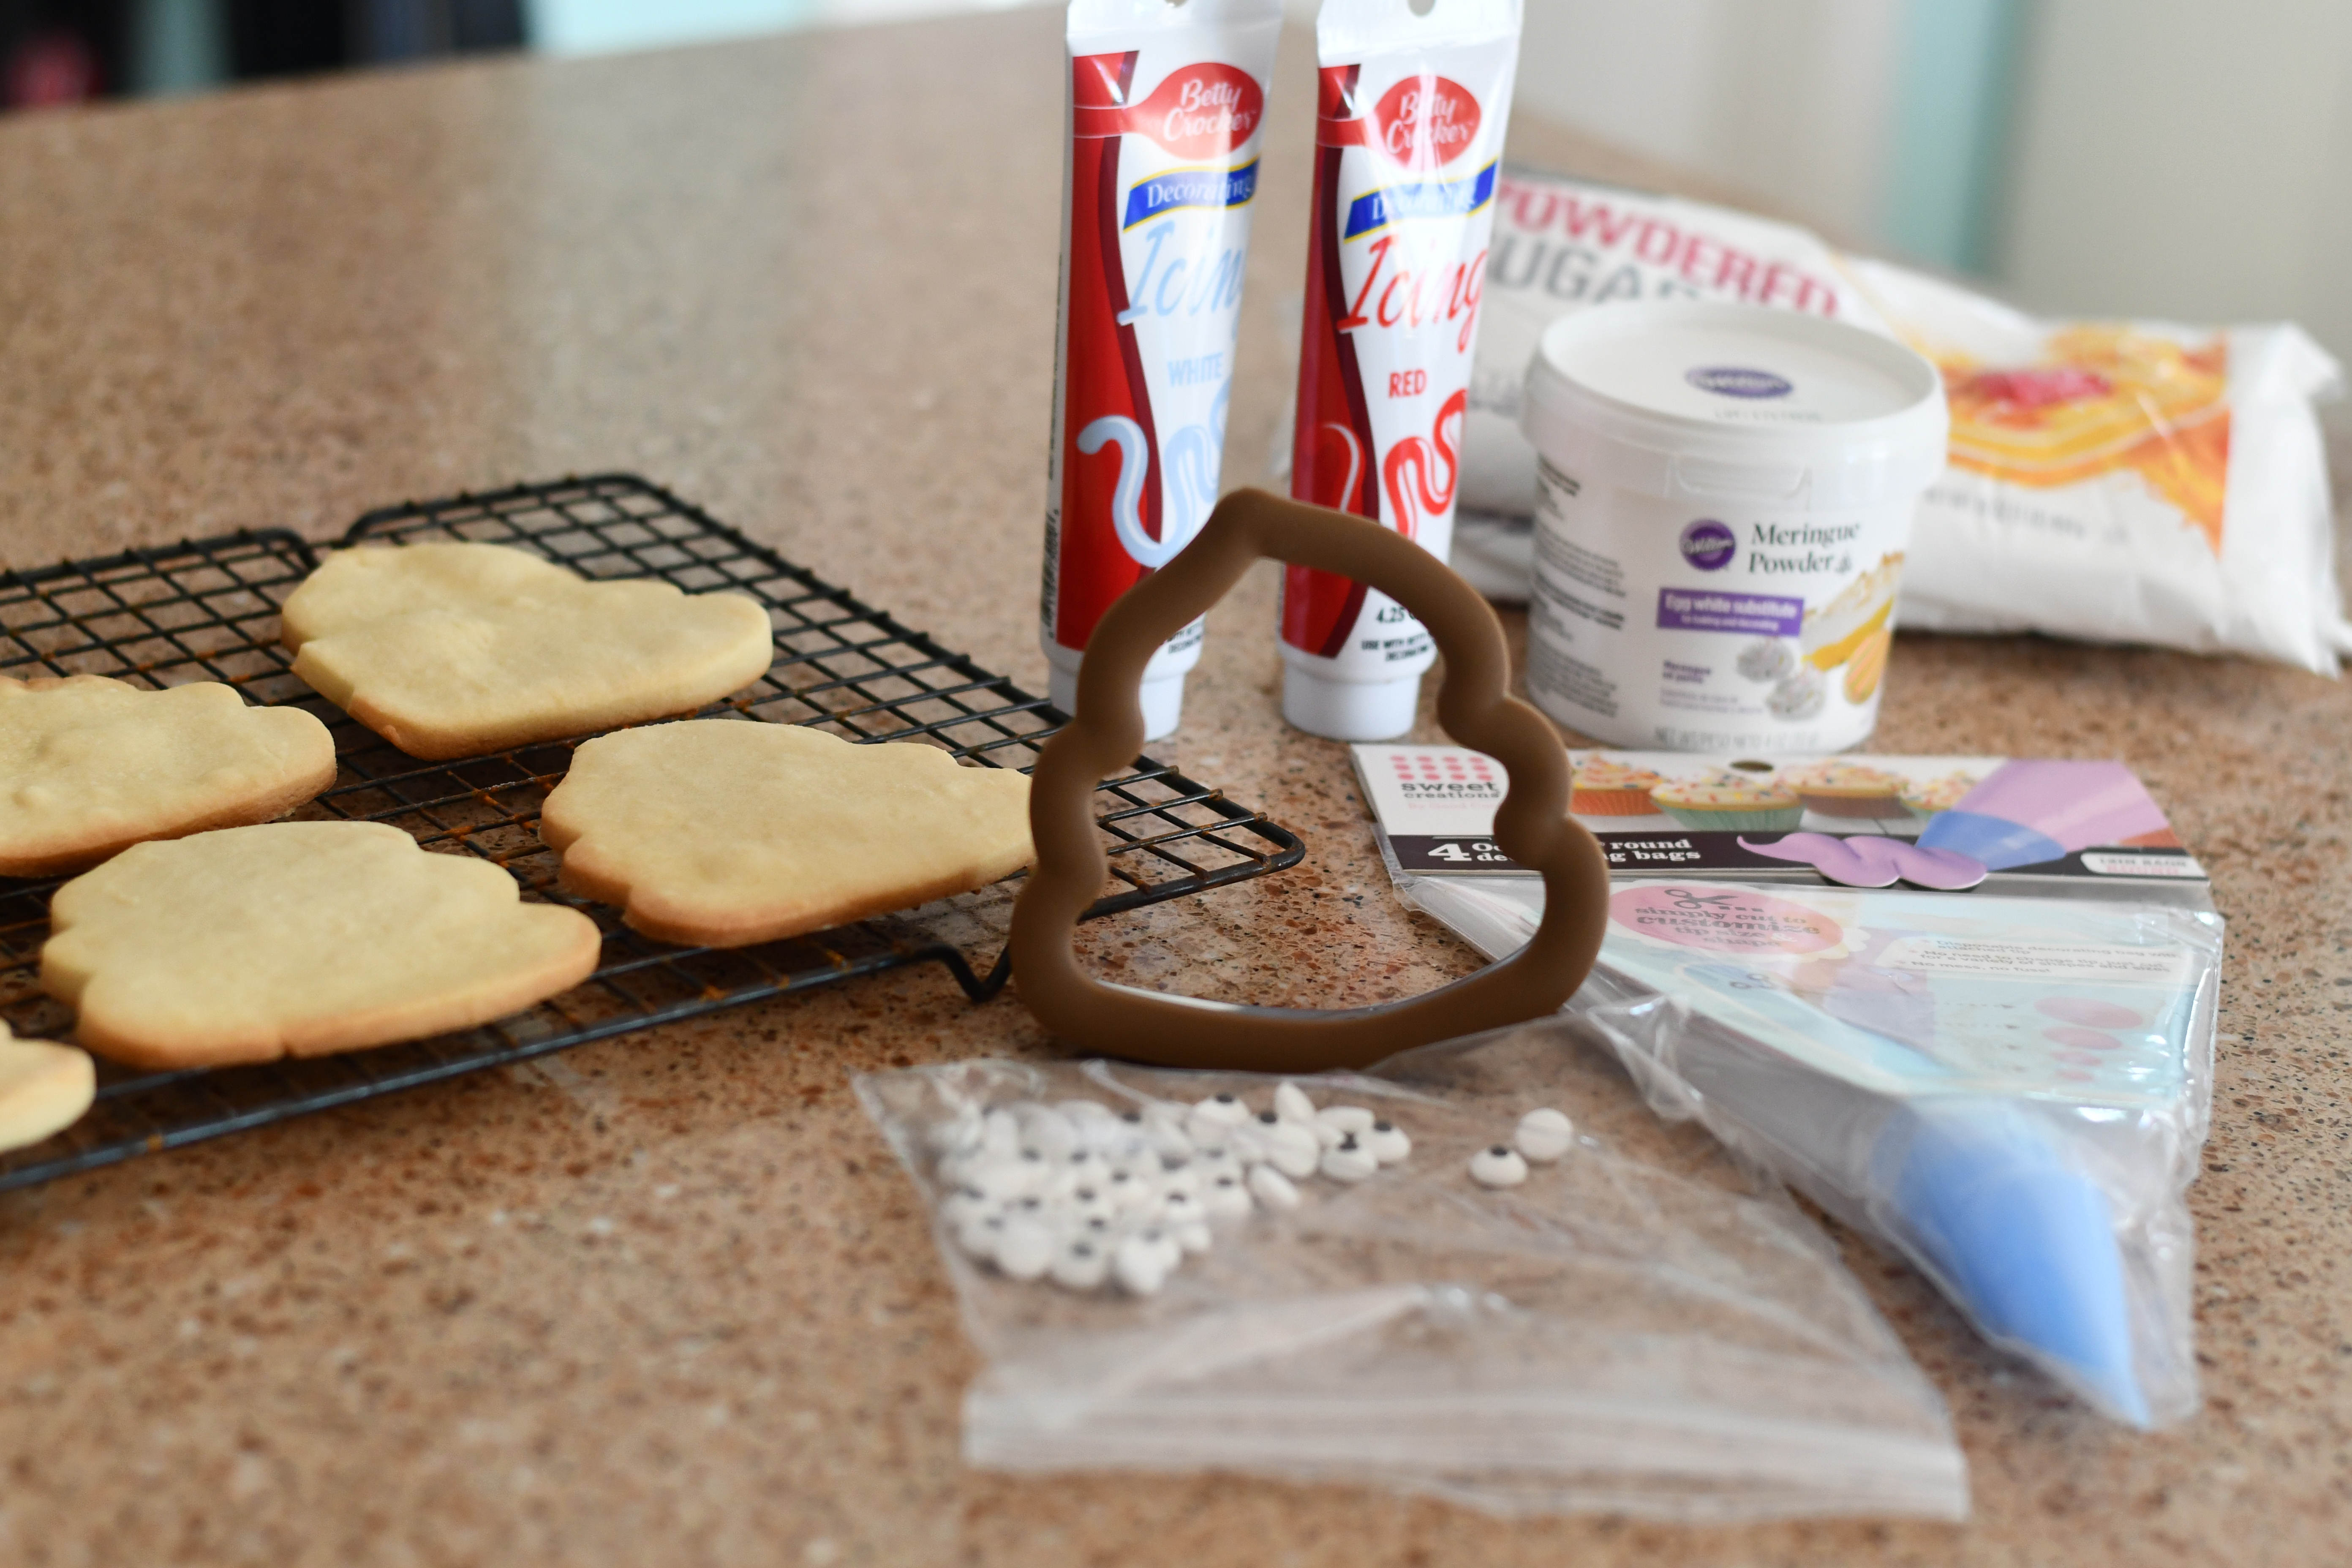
(1532, 825)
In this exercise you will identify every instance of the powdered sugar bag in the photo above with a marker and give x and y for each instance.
(2123, 481)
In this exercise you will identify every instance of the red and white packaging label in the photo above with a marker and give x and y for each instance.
(1409, 141)
(1167, 114)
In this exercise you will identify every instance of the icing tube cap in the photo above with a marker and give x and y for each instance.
(1349, 710)
(1163, 700)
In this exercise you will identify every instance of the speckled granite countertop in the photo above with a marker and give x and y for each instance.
(666, 1298)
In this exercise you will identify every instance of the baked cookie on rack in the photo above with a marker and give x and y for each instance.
(90, 765)
(453, 650)
(298, 939)
(44, 1089)
(722, 832)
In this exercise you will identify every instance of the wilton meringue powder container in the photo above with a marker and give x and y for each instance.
(1724, 497)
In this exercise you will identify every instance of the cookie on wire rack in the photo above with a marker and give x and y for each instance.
(456, 650)
(90, 765)
(44, 1089)
(298, 939)
(724, 832)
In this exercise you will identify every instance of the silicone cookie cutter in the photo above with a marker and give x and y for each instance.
(1531, 824)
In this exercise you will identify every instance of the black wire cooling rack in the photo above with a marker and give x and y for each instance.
(207, 610)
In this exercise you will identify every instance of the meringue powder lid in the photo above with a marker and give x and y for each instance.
(1734, 376)
(1792, 402)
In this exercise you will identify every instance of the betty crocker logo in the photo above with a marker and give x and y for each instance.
(1425, 121)
(1201, 111)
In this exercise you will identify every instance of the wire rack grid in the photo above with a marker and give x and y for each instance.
(207, 610)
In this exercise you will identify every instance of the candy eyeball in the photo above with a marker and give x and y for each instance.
(1544, 1135)
(1225, 1198)
(1083, 1265)
(1498, 1165)
(1294, 1151)
(1025, 1249)
(1273, 1189)
(1226, 1107)
(1349, 1161)
(1388, 1142)
(1141, 1265)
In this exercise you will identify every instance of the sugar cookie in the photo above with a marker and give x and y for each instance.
(721, 831)
(90, 765)
(298, 939)
(44, 1089)
(453, 650)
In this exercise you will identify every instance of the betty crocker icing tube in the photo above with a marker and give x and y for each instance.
(1166, 107)
(1407, 145)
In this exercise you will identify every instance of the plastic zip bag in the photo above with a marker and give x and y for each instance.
(1639, 1327)
(2057, 1222)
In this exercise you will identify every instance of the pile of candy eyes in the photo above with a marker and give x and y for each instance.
(1084, 1195)
(1087, 1196)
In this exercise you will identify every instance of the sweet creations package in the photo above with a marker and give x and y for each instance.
(1965, 1004)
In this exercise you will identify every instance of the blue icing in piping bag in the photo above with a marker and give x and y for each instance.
(2008, 1091)
(2020, 1238)
(1976, 1186)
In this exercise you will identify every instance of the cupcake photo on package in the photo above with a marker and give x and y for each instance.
(1729, 802)
(1834, 788)
(1925, 800)
(1602, 786)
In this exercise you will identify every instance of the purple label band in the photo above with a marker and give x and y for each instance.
(1758, 614)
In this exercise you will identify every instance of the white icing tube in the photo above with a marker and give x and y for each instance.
(1408, 145)
(1167, 110)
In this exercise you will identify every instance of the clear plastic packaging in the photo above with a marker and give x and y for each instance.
(1637, 1326)
(2015, 1102)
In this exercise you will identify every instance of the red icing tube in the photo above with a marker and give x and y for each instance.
(1167, 111)
(1409, 141)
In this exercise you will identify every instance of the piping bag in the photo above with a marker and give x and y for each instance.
(1972, 1186)
(1916, 1075)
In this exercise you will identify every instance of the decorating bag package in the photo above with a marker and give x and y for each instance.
(2111, 480)
(1967, 1004)
(1362, 1278)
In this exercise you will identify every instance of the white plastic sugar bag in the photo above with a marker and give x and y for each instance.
(2122, 482)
